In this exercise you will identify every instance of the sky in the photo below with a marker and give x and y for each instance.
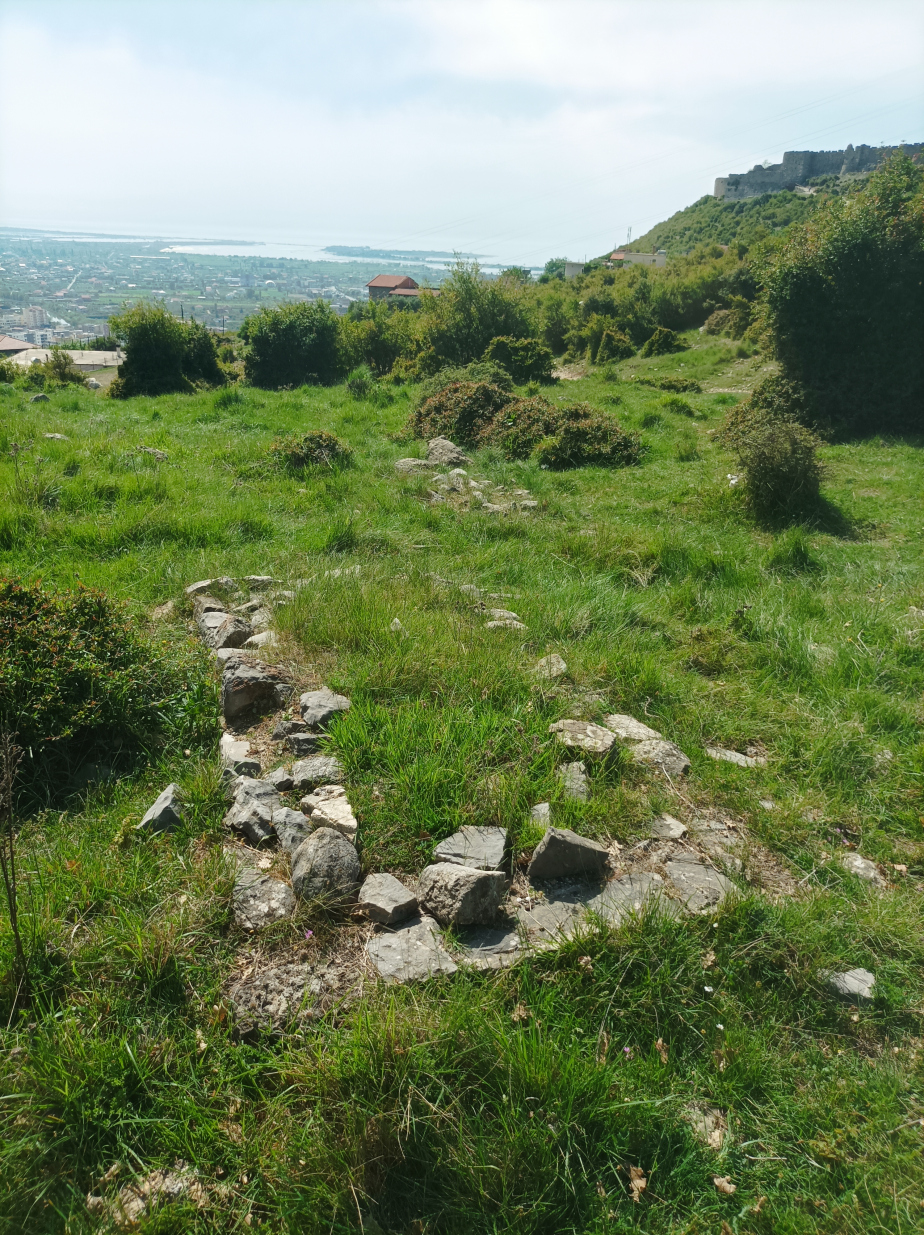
(518, 129)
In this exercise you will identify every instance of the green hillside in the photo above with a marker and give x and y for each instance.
(711, 220)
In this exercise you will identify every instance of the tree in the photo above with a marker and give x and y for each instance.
(294, 345)
(163, 355)
(469, 312)
(843, 304)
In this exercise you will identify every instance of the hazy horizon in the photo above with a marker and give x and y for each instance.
(520, 129)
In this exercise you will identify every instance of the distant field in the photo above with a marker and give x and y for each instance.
(514, 1101)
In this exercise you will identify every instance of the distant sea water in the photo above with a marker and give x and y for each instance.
(317, 253)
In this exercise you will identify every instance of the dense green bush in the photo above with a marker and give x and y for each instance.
(674, 403)
(9, 371)
(293, 345)
(614, 345)
(526, 360)
(662, 343)
(674, 385)
(843, 304)
(777, 457)
(163, 355)
(457, 326)
(74, 675)
(561, 436)
(460, 411)
(316, 448)
(477, 371)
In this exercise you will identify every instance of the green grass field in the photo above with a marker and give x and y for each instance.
(514, 1101)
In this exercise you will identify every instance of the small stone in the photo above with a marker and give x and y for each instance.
(541, 813)
(270, 998)
(319, 707)
(709, 1124)
(39, 399)
(246, 684)
(413, 465)
(325, 867)
(280, 779)
(574, 783)
(285, 727)
(265, 639)
(663, 756)
(167, 812)
(56, 437)
(766, 803)
(205, 603)
(261, 620)
(236, 757)
(443, 453)
(503, 615)
(307, 774)
(229, 657)
(863, 868)
(224, 630)
(259, 900)
(734, 756)
(469, 589)
(163, 613)
(160, 455)
(562, 852)
(292, 828)
(302, 744)
(410, 953)
(383, 898)
(460, 895)
(252, 809)
(492, 508)
(397, 627)
(628, 729)
(854, 985)
(529, 505)
(328, 807)
(582, 735)
(196, 589)
(257, 583)
(505, 624)
(93, 384)
(479, 847)
(550, 667)
(666, 827)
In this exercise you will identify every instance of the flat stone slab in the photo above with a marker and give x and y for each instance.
(563, 853)
(235, 755)
(505, 624)
(478, 847)
(550, 919)
(490, 947)
(413, 465)
(166, 813)
(863, 868)
(460, 895)
(271, 999)
(627, 895)
(854, 985)
(319, 707)
(259, 900)
(628, 729)
(700, 886)
(662, 756)
(582, 735)
(735, 757)
(307, 774)
(386, 900)
(328, 807)
(410, 953)
(666, 827)
(302, 744)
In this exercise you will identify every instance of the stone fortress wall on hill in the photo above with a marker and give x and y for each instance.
(798, 166)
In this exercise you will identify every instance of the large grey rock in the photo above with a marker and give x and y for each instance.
(863, 868)
(662, 756)
(307, 774)
(854, 985)
(628, 729)
(734, 756)
(252, 809)
(319, 707)
(280, 779)
(479, 847)
(328, 807)
(223, 630)
(627, 895)
(700, 886)
(582, 735)
(550, 667)
(444, 453)
(573, 777)
(303, 744)
(166, 813)
(325, 867)
(411, 952)
(236, 756)
(562, 853)
(245, 685)
(383, 898)
(459, 895)
(292, 828)
(259, 900)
